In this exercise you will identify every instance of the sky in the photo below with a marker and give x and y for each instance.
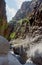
(12, 7)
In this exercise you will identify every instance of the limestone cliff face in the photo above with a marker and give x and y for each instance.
(26, 9)
(3, 18)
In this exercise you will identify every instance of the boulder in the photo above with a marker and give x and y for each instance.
(20, 51)
(4, 45)
(6, 58)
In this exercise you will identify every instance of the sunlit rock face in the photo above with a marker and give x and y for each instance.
(3, 18)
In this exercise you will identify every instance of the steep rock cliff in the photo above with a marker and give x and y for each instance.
(3, 18)
(26, 9)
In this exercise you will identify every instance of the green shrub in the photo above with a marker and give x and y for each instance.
(20, 22)
(23, 20)
(12, 35)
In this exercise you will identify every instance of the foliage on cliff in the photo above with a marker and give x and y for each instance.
(21, 29)
(33, 19)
